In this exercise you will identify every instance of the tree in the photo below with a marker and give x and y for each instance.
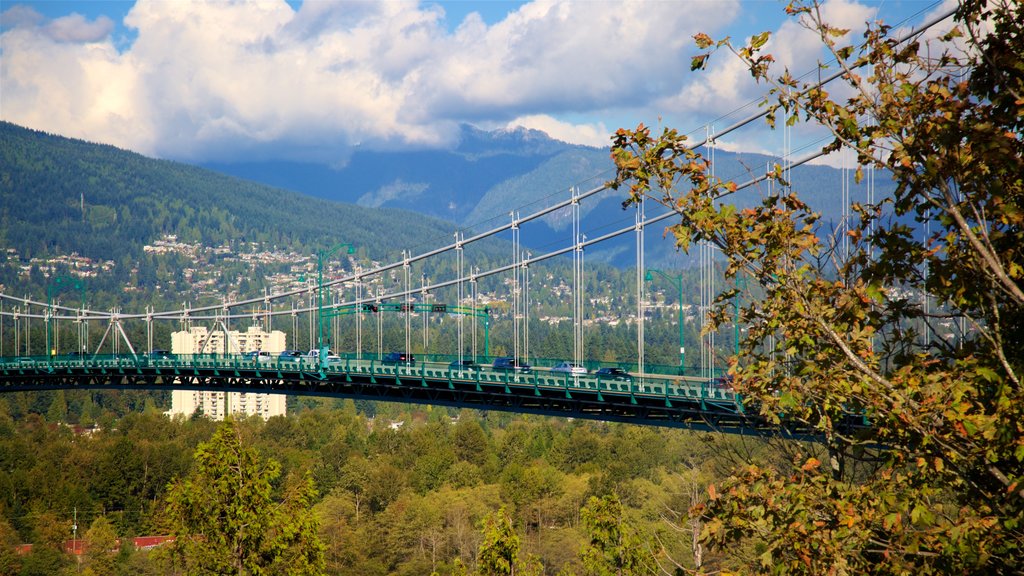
(9, 561)
(225, 520)
(58, 411)
(298, 533)
(47, 555)
(499, 550)
(614, 548)
(858, 334)
(100, 547)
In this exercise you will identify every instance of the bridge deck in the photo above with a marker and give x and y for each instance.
(650, 400)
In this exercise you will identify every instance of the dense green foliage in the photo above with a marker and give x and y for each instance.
(224, 518)
(409, 491)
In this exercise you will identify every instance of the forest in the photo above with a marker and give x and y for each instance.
(398, 489)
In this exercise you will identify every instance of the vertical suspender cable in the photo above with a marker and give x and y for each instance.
(711, 267)
(515, 289)
(426, 311)
(925, 298)
(577, 282)
(380, 325)
(526, 305)
(640, 217)
(408, 302)
(358, 318)
(472, 288)
(459, 264)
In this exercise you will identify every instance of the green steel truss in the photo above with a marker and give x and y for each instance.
(655, 401)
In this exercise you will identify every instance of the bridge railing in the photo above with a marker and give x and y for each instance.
(434, 367)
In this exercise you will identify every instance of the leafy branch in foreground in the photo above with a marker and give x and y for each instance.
(922, 333)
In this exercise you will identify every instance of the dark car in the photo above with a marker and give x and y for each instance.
(463, 365)
(613, 374)
(399, 358)
(508, 363)
(161, 355)
(290, 356)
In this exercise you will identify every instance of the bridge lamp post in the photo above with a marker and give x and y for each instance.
(678, 282)
(55, 286)
(320, 258)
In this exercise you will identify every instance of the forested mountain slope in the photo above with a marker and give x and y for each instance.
(59, 195)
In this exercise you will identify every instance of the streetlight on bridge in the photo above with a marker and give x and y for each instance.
(678, 282)
(320, 258)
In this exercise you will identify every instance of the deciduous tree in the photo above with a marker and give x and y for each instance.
(100, 547)
(919, 328)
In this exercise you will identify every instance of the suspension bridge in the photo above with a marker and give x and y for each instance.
(350, 305)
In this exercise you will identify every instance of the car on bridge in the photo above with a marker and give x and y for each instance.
(313, 357)
(570, 368)
(290, 356)
(510, 364)
(158, 354)
(259, 356)
(399, 358)
(466, 365)
(611, 373)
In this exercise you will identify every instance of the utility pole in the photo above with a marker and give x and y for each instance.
(74, 539)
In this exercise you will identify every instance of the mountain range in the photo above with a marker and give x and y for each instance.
(479, 182)
(58, 193)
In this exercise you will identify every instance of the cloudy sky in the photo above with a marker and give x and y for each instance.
(230, 80)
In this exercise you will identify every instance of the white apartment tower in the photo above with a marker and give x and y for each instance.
(216, 405)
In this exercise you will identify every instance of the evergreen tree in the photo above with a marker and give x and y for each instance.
(615, 549)
(499, 550)
(225, 520)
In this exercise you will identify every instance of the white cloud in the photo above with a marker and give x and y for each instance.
(224, 80)
(75, 28)
(726, 86)
(396, 190)
(18, 16)
(596, 135)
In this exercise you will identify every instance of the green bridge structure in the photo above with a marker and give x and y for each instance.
(656, 400)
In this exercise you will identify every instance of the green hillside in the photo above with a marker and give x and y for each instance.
(59, 196)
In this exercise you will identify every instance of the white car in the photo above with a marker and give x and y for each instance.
(313, 357)
(260, 356)
(571, 368)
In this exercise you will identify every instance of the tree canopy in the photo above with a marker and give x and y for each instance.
(225, 519)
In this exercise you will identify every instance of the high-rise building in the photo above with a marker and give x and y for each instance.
(217, 405)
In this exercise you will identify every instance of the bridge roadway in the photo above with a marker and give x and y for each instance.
(646, 400)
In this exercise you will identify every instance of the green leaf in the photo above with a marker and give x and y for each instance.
(759, 40)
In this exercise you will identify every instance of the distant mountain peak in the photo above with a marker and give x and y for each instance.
(519, 141)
